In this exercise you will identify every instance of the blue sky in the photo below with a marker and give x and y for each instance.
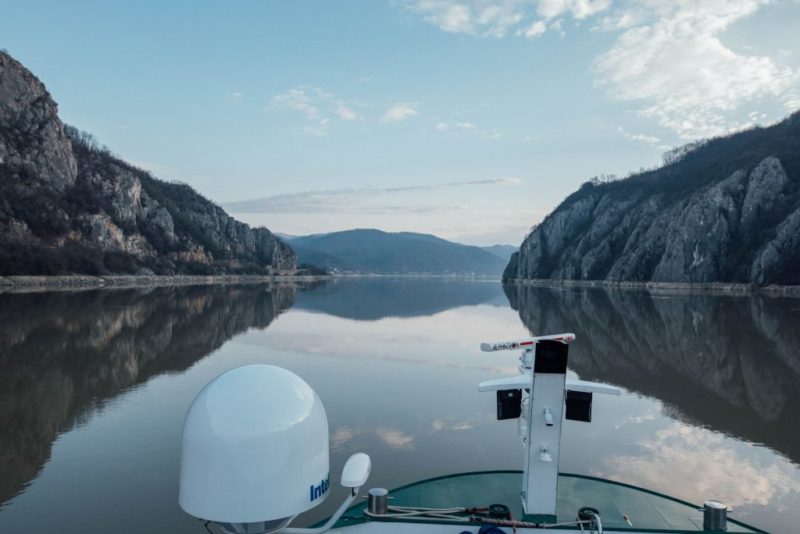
(469, 119)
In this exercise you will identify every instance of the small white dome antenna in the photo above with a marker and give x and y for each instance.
(255, 453)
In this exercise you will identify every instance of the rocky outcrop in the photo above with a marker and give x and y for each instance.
(68, 205)
(32, 139)
(727, 211)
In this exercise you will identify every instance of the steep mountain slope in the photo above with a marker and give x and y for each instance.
(68, 206)
(728, 210)
(375, 251)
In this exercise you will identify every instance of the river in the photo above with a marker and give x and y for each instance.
(94, 386)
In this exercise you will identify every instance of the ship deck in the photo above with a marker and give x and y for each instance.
(647, 510)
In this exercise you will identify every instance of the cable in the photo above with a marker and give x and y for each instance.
(526, 524)
(421, 513)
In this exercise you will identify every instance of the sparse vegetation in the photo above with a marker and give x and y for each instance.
(687, 171)
(60, 221)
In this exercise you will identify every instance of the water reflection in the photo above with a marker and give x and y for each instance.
(697, 463)
(62, 355)
(370, 299)
(727, 363)
(98, 382)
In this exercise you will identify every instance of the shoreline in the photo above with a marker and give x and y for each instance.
(83, 282)
(19, 284)
(665, 287)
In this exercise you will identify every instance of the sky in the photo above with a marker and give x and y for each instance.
(468, 119)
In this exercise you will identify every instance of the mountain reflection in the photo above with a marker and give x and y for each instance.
(729, 363)
(63, 354)
(370, 299)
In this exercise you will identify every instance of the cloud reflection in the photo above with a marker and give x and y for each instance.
(699, 464)
(396, 439)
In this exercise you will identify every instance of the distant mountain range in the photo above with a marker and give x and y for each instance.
(68, 206)
(379, 252)
(501, 251)
(722, 210)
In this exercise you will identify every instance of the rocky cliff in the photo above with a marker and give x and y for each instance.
(68, 206)
(728, 210)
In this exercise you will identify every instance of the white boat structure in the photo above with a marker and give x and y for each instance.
(255, 454)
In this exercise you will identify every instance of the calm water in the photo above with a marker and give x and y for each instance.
(94, 386)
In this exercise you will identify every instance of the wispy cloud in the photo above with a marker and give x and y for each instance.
(670, 59)
(469, 128)
(650, 140)
(534, 30)
(354, 200)
(580, 9)
(473, 129)
(316, 105)
(306, 101)
(235, 96)
(400, 111)
(347, 114)
(486, 18)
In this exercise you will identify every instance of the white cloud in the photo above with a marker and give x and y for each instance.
(300, 99)
(473, 17)
(675, 65)
(347, 114)
(469, 128)
(473, 129)
(305, 100)
(534, 30)
(372, 200)
(400, 112)
(580, 9)
(669, 59)
(235, 96)
(316, 105)
(449, 16)
(498, 18)
(318, 126)
(651, 140)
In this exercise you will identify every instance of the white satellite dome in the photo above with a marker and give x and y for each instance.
(255, 450)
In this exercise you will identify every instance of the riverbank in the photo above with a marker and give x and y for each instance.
(75, 282)
(666, 287)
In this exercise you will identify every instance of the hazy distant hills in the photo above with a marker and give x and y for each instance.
(501, 251)
(378, 252)
(723, 210)
(68, 206)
